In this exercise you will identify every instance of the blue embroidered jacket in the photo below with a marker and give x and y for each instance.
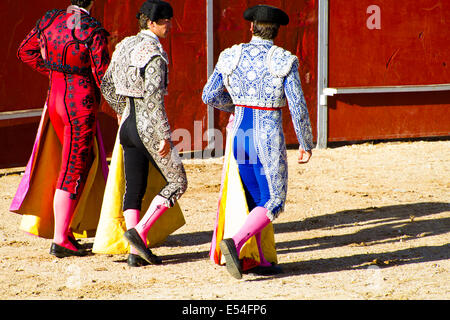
(262, 74)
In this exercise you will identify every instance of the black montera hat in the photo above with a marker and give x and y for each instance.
(265, 13)
(156, 9)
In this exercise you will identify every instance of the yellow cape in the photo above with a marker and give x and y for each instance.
(231, 215)
(34, 198)
(109, 238)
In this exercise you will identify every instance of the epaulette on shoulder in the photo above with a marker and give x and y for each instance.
(88, 22)
(229, 59)
(280, 61)
(120, 48)
(143, 52)
(87, 27)
(47, 19)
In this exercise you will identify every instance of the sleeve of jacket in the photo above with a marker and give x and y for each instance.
(154, 91)
(297, 108)
(99, 54)
(214, 93)
(116, 101)
(29, 52)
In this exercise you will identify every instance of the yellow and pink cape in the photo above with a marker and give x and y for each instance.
(99, 209)
(231, 214)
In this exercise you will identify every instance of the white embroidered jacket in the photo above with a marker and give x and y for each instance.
(138, 69)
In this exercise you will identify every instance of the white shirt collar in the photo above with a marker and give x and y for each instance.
(79, 8)
(150, 33)
(259, 39)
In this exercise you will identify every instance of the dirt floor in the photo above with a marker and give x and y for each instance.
(367, 221)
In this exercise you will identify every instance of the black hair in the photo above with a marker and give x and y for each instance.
(82, 3)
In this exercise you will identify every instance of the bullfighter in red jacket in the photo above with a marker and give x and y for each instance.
(70, 47)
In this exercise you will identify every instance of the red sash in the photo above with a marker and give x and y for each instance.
(259, 108)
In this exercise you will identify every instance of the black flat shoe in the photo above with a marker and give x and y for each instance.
(75, 242)
(231, 258)
(154, 259)
(135, 260)
(61, 252)
(135, 240)
(265, 271)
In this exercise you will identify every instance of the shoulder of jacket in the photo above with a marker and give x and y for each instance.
(47, 19)
(90, 23)
(144, 51)
(280, 61)
(229, 59)
(87, 28)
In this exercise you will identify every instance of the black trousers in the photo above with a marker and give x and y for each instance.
(136, 158)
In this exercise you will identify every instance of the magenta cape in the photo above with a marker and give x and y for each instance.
(34, 196)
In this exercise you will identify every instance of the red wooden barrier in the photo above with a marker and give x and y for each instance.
(411, 47)
(408, 45)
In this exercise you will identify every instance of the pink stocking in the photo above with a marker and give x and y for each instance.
(262, 261)
(154, 212)
(63, 208)
(256, 221)
(131, 220)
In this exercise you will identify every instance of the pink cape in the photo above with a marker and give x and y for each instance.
(36, 219)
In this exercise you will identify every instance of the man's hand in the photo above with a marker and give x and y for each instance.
(304, 156)
(164, 148)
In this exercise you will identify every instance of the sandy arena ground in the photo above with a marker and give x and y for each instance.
(367, 221)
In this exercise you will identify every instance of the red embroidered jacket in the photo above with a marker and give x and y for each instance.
(67, 41)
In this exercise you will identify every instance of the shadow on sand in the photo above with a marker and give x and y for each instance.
(376, 225)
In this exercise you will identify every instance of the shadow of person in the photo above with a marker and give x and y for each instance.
(377, 225)
(345, 218)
